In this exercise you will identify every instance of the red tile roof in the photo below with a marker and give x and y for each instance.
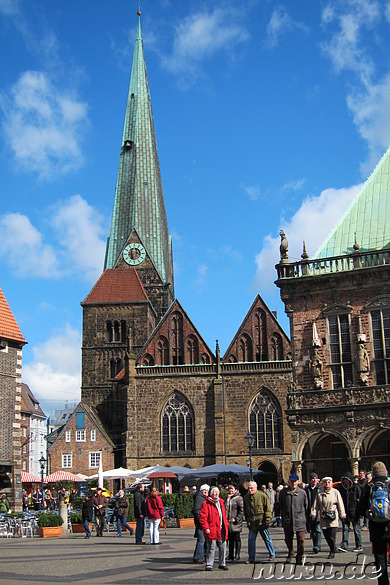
(9, 329)
(117, 285)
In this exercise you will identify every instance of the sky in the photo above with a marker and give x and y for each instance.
(268, 115)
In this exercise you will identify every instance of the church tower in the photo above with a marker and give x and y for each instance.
(136, 287)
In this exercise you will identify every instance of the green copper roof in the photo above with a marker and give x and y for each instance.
(368, 216)
(139, 200)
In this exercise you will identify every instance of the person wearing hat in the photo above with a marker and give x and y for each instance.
(199, 552)
(379, 531)
(313, 524)
(186, 490)
(329, 505)
(350, 493)
(293, 507)
(99, 503)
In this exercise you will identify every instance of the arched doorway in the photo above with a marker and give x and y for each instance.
(269, 474)
(326, 454)
(375, 445)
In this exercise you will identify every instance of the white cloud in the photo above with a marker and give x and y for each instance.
(54, 375)
(200, 280)
(76, 248)
(23, 248)
(201, 36)
(43, 125)
(253, 191)
(280, 24)
(312, 222)
(81, 234)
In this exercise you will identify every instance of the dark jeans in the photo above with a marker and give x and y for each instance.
(86, 528)
(139, 529)
(289, 540)
(234, 539)
(379, 548)
(315, 533)
(330, 537)
(199, 552)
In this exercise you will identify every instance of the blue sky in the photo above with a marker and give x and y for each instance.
(268, 115)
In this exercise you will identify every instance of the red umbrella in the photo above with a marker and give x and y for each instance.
(61, 475)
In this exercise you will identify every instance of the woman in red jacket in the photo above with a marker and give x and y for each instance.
(212, 518)
(154, 512)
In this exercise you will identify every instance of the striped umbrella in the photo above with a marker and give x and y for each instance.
(61, 475)
(29, 478)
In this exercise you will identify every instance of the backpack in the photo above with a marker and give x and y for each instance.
(379, 510)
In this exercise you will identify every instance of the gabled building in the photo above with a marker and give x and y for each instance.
(338, 303)
(80, 443)
(163, 395)
(32, 432)
(11, 345)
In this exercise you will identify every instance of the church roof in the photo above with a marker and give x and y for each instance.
(9, 329)
(139, 201)
(368, 217)
(117, 286)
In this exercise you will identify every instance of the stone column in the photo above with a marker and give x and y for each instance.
(63, 511)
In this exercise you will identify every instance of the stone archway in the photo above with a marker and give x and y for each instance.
(270, 473)
(326, 454)
(374, 446)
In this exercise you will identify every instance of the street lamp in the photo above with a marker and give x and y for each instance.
(42, 463)
(250, 441)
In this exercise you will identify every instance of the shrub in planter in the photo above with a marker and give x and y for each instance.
(78, 503)
(168, 500)
(183, 506)
(76, 518)
(49, 519)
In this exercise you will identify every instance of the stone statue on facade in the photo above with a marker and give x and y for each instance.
(362, 359)
(283, 247)
(316, 360)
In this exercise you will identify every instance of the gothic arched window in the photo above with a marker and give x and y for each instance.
(245, 349)
(177, 425)
(276, 347)
(162, 357)
(177, 338)
(260, 341)
(110, 335)
(265, 421)
(192, 350)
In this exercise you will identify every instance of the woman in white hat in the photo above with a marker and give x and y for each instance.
(330, 507)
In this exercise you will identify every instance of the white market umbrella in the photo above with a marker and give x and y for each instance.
(100, 473)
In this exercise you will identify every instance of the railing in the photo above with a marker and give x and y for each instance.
(338, 397)
(334, 264)
(211, 369)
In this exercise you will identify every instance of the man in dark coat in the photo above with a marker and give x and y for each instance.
(140, 513)
(313, 523)
(350, 493)
(379, 531)
(293, 507)
(199, 498)
(99, 503)
(87, 515)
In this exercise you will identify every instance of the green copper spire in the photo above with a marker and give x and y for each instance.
(368, 217)
(139, 201)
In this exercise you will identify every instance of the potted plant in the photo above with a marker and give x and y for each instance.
(49, 525)
(183, 511)
(76, 519)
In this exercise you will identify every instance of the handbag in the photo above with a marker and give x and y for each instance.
(328, 514)
(120, 513)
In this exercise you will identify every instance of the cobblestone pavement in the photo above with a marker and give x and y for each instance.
(118, 561)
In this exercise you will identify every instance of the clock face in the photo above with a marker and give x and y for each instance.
(134, 254)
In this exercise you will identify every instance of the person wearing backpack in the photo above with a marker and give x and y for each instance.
(375, 497)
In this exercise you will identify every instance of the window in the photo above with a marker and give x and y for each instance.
(24, 432)
(93, 435)
(177, 338)
(380, 321)
(94, 459)
(340, 351)
(67, 436)
(24, 465)
(192, 350)
(80, 420)
(265, 421)
(177, 425)
(245, 349)
(24, 449)
(66, 461)
(80, 436)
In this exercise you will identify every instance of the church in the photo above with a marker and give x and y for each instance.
(161, 393)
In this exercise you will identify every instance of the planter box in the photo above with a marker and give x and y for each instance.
(50, 531)
(79, 528)
(185, 522)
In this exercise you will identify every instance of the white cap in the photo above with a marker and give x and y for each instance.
(205, 486)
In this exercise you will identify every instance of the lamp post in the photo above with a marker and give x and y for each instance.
(42, 463)
(250, 441)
